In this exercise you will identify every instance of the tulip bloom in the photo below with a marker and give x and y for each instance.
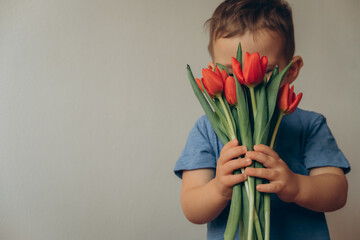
(254, 69)
(230, 90)
(224, 75)
(213, 82)
(198, 81)
(287, 100)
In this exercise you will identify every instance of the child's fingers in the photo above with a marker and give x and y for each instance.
(230, 144)
(266, 150)
(231, 153)
(231, 180)
(273, 187)
(269, 174)
(267, 160)
(235, 164)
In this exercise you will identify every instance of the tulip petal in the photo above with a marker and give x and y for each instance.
(224, 75)
(236, 66)
(213, 118)
(264, 62)
(222, 67)
(295, 103)
(253, 73)
(283, 97)
(247, 55)
(230, 90)
(215, 107)
(239, 54)
(213, 82)
(217, 71)
(291, 95)
(287, 100)
(198, 81)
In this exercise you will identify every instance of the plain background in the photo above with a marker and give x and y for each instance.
(95, 109)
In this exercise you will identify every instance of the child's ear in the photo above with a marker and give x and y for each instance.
(211, 65)
(294, 70)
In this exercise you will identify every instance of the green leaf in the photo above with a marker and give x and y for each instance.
(216, 109)
(257, 91)
(267, 215)
(222, 67)
(274, 73)
(230, 114)
(261, 118)
(243, 229)
(243, 116)
(237, 124)
(272, 89)
(239, 55)
(258, 195)
(206, 107)
(261, 212)
(220, 125)
(234, 213)
(218, 104)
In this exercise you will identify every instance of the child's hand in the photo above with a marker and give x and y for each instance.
(283, 181)
(228, 162)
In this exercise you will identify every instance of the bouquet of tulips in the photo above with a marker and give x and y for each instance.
(247, 106)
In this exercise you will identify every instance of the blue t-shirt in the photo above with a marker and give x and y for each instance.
(304, 141)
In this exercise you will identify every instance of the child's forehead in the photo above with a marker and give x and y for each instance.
(265, 42)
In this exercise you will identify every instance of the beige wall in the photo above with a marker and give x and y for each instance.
(95, 108)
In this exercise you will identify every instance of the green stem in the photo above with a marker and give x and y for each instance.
(258, 227)
(234, 213)
(267, 215)
(256, 218)
(267, 195)
(246, 183)
(251, 208)
(253, 101)
(235, 207)
(227, 115)
(272, 142)
(251, 180)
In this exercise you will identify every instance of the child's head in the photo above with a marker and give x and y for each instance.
(263, 26)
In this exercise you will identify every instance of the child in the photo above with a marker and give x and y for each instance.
(306, 170)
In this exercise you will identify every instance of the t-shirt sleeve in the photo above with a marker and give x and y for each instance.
(199, 149)
(321, 149)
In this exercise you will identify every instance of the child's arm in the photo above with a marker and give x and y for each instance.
(203, 195)
(324, 190)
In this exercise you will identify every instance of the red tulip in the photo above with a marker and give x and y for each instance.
(236, 66)
(213, 82)
(224, 75)
(254, 69)
(230, 90)
(287, 100)
(198, 81)
(217, 70)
